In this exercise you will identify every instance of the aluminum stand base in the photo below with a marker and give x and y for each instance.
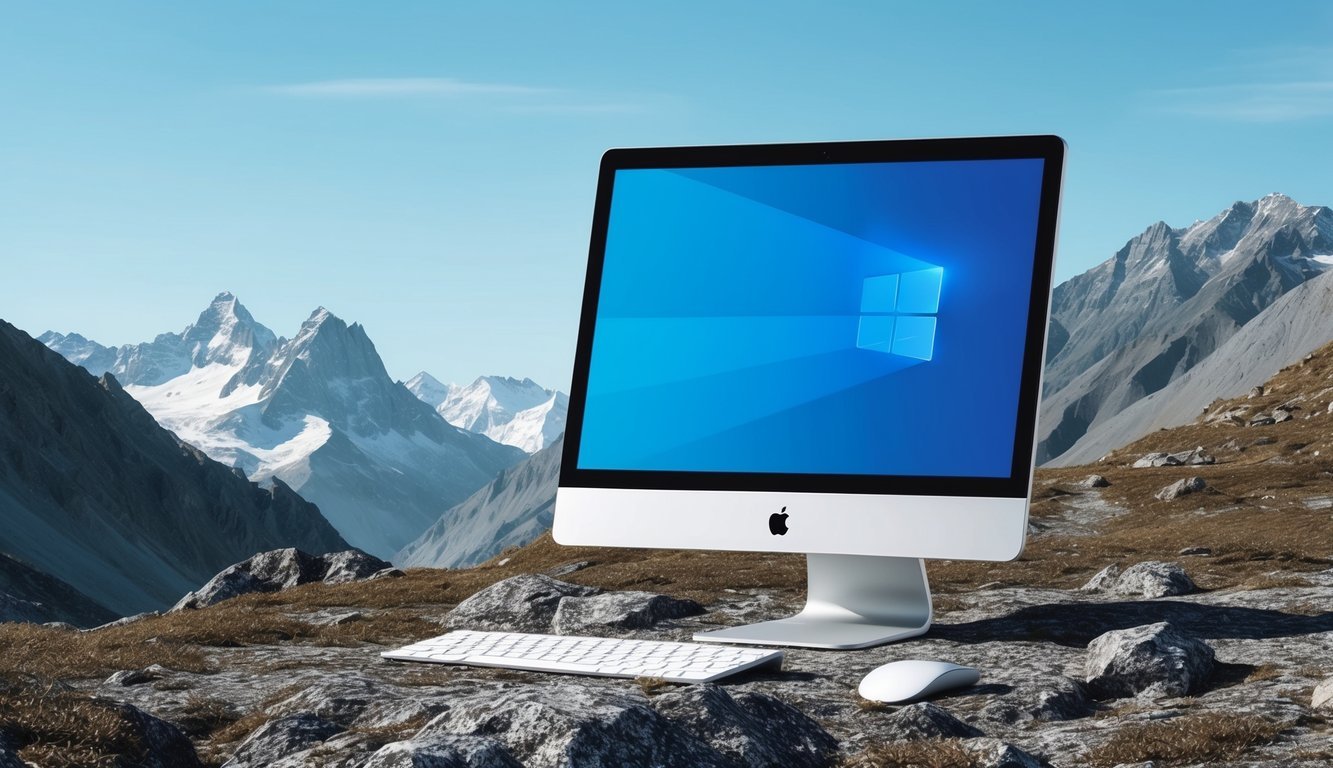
(854, 601)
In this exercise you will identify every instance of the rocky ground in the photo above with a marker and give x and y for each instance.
(1174, 606)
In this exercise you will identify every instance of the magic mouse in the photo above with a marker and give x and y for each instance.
(900, 681)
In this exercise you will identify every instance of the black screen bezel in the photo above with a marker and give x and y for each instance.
(1049, 149)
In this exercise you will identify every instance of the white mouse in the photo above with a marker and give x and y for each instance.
(901, 681)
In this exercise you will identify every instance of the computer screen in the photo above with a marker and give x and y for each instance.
(867, 319)
(832, 349)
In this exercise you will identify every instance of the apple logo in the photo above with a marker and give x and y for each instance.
(777, 523)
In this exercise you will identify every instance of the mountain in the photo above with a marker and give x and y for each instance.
(1300, 321)
(1163, 303)
(518, 413)
(225, 334)
(27, 594)
(318, 411)
(511, 511)
(94, 493)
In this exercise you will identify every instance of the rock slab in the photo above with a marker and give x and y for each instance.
(1181, 488)
(279, 738)
(1322, 698)
(539, 603)
(281, 569)
(925, 720)
(575, 726)
(1153, 579)
(524, 603)
(752, 729)
(443, 750)
(1155, 659)
(619, 610)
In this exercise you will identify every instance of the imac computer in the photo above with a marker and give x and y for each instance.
(830, 349)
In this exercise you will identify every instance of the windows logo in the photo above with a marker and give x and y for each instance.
(898, 313)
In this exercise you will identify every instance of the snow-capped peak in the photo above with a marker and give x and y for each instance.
(517, 412)
(428, 389)
(226, 333)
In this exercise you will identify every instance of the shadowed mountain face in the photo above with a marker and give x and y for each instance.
(27, 594)
(94, 492)
(1166, 301)
(318, 411)
(511, 511)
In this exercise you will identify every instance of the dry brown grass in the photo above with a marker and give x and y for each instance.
(238, 729)
(178, 641)
(925, 753)
(1185, 740)
(1264, 672)
(651, 686)
(201, 717)
(57, 727)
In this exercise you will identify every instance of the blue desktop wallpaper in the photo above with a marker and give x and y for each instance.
(817, 319)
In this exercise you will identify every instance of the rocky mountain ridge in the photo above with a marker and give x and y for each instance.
(1300, 321)
(1165, 302)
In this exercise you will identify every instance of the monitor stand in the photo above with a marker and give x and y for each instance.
(854, 601)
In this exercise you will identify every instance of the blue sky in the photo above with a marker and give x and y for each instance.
(428, 169)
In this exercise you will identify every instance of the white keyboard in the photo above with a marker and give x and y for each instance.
(602, 656)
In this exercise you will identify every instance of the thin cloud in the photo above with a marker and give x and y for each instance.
(389, 87)
(509, 97)
(1257, 103)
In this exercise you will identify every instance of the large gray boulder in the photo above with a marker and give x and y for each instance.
(1181, 488)
(128, 677)
(443, 750)
(752, 729)
(1156, 460)
(351, 565)
(925, 720)
(280, 738)
(1155, 659)
(539, 603)
(1153, 579)
(575, 726)
(525, 603)
(1322, 698)
(618, 610)
(281, 569)
(1104, 580)
(1194, 458)
(1150, 579)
